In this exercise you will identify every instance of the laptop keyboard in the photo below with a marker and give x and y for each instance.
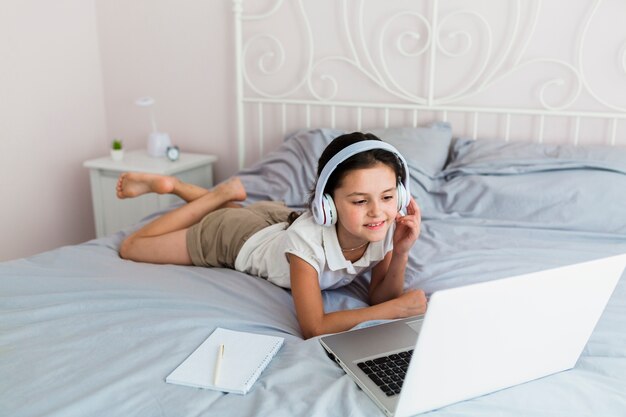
(388, 372)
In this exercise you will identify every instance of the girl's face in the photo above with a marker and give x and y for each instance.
(366, 203)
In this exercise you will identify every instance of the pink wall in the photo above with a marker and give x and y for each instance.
(51, 120)
(180, 53)
(69, 76)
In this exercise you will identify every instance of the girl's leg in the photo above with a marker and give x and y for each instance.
(134, 184)
(164, 239)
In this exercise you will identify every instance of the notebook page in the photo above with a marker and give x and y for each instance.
(245, 356)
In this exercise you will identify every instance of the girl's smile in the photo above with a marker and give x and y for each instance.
(375, 226)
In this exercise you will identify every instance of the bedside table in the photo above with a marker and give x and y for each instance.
(112, 214)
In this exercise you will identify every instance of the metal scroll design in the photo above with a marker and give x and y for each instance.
(423, 37)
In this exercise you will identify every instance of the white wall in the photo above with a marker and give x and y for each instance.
(51, 119)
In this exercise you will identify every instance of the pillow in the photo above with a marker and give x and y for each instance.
(553, 186)
(425, 148)
(288, 173)
(500, 157)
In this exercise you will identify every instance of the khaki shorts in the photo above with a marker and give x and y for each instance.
(218, 237)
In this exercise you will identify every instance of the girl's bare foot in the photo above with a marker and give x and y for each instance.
(232, 188)
(133, 184)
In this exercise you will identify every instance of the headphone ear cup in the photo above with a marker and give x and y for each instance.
(403, 197)
(329, 210)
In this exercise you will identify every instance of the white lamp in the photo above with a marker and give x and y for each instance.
(157, 141)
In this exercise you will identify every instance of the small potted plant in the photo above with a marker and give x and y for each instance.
(117, 152)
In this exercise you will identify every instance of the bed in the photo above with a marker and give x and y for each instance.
(83, 332)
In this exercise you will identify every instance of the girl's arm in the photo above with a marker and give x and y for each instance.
(307, 297)
(387, 280)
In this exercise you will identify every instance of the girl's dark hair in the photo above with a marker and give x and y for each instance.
(366, 159)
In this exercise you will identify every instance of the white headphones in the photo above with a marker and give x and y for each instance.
(323, 206)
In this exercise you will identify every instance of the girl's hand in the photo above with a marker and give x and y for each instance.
(407, 228)
(410, 303)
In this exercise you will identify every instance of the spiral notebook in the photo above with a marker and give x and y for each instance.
(245, 355)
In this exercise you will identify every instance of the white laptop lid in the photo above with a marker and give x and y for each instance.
(481, 338)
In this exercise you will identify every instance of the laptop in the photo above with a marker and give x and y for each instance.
(480, 338)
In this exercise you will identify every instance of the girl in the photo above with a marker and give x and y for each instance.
(354, 226)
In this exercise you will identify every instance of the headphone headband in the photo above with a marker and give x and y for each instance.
(341, 156)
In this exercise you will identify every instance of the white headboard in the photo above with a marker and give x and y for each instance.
(547, 71)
